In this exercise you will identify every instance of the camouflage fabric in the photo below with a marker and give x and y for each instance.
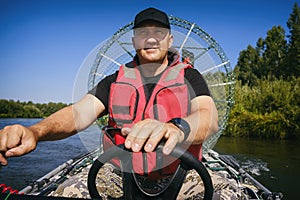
(110, 183)
(225, 188)
(107, 181)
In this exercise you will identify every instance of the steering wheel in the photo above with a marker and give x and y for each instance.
(188, 161)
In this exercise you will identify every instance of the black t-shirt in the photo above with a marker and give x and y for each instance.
(196, 84)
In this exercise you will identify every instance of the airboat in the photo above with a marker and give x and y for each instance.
(215, 177)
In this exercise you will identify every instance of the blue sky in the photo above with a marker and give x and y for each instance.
(44, 42)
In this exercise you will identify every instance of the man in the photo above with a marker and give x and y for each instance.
(185, 117)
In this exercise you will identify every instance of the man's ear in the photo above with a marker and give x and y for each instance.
(171, 39)
(133, 42)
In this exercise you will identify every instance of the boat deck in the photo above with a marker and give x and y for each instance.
(70, 180)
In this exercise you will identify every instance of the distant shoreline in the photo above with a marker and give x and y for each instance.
(18, 109)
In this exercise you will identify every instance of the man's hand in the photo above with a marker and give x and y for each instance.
(16, 140)
(148, 133)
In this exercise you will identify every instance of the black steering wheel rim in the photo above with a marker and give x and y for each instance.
(120, 151)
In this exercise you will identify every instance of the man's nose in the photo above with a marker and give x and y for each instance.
(152, 40)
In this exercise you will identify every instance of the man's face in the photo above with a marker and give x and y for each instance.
(151, 42)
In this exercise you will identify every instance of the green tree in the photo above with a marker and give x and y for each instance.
(12, 109)
(272, 62)
(269, 110)
(266, 60)
(267, 102)
(293, 58)
(52, 108)
(247, 63)
(31, 111)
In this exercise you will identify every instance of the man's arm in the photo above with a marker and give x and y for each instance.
(69, 120)
(18, 140)
(203, 119)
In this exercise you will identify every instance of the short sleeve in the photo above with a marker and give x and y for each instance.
(102, 89)
(197, 84)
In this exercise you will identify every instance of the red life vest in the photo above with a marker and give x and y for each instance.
(128, 104)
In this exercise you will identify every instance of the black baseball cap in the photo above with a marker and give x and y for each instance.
(151, 14)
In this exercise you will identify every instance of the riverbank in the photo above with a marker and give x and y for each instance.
(268, 110)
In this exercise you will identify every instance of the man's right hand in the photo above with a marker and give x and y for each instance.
(16, 140)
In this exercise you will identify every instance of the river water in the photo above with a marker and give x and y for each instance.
(275, 164)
